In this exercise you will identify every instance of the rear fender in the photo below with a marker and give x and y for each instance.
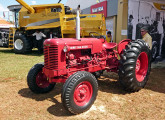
(122, 44)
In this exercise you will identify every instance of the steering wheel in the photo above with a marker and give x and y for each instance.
(99, 35)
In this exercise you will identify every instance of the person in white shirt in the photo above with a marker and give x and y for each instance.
(39, 40)
(161, 32)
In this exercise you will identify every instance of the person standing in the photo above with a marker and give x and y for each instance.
(146, 37)
(39, 40)
(161, 32)
(138, 29)
(51, 35)
(109, 37)
(130, 27)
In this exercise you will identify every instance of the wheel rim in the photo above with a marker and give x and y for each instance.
(154, 51)
(141, 67)
(41, 80)
(18, 44)
(83, 93)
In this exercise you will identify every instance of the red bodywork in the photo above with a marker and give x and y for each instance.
(89, 54)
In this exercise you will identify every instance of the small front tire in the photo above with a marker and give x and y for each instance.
(79, 92)
(37, 80)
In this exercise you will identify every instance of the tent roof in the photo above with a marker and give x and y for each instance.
(5, 24)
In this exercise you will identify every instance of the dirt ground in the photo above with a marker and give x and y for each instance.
(112, 103)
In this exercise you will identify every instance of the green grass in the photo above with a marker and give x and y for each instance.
(16, 66)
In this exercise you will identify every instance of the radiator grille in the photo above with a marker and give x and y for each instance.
(51, 57)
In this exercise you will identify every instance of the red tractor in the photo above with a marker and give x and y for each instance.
(77, 64)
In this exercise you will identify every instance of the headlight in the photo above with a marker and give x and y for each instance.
(65, 49)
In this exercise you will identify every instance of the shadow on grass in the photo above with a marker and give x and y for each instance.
(57, 109)
(31, 53)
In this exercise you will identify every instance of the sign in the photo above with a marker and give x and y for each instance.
(100, 8)
(79, 47)
(123, 32)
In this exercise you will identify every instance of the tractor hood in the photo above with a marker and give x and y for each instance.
(73, 44)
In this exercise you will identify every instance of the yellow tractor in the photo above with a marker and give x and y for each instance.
(55, 18)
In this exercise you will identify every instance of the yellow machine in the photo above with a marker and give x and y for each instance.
(55, 18)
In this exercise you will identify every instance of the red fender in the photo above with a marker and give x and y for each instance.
(122, 44)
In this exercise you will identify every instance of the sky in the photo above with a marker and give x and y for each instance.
(5, 3)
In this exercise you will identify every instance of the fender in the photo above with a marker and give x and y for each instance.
(122, 44)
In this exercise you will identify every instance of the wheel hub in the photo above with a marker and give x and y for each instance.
(141, 66)
(83, 93)
(41, 80)
(137, 65)
(18, 44)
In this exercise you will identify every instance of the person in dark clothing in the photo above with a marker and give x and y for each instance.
(51, 35)
(130, 27)
(0, 36)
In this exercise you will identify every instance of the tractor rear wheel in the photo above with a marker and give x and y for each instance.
(135, 66)
(79, 92)
(37, 80)
(21, 44)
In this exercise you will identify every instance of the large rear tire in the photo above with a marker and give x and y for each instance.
(79, 92)
(21, 44)
(37, 80)
(135, 66)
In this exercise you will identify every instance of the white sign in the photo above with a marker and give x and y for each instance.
(99, 9)
(123, 32)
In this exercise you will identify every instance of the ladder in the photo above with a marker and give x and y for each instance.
(11, 37)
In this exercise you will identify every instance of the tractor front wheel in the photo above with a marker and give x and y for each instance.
(134, 66)
(79, 92)
(37, 80)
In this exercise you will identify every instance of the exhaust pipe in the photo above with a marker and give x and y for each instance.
(78, 26)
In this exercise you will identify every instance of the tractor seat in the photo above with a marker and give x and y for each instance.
(109, 45)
